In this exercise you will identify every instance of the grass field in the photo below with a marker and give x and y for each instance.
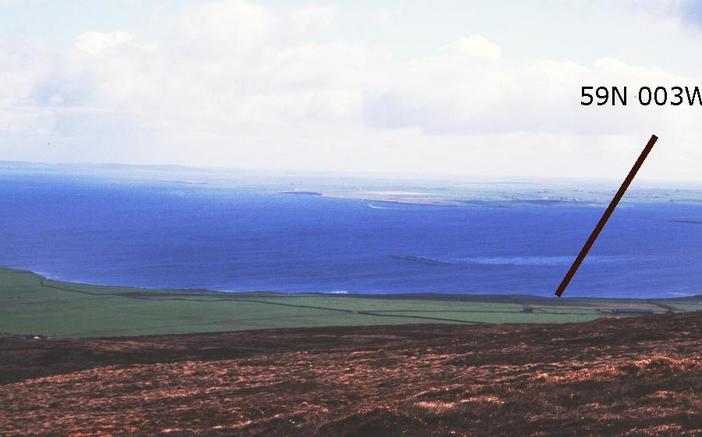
(32, 305)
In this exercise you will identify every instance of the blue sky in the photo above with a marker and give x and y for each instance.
(414, 87)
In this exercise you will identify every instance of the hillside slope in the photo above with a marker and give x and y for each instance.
(633, 376)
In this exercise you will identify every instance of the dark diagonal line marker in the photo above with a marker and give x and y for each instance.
(608, 212)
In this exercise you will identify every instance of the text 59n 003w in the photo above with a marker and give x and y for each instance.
(644, 96)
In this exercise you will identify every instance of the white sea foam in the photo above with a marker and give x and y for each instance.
(371, 206)
(540, 260)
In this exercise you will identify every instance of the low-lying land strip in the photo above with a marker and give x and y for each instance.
(33, 305)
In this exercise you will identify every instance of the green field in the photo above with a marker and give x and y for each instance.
(32, 305)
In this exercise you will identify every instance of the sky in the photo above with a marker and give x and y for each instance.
(440, 88)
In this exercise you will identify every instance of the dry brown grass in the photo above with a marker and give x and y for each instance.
(630, 377)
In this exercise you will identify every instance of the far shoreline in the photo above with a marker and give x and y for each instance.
(463, 296)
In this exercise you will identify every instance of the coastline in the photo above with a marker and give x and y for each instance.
(37, 306)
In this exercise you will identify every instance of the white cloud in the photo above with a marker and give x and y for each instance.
(312, 18)
(95, 43)
(224, 25)
(226, 83)
(476, 46)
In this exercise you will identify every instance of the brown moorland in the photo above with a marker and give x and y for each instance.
(633, 376)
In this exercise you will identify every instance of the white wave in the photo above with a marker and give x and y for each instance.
(520, 260)
(680, 294)
(540, 260)
(498, 261)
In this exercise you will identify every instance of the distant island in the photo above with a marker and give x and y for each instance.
(302, 193)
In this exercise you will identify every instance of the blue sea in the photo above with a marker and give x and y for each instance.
(245, 238)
